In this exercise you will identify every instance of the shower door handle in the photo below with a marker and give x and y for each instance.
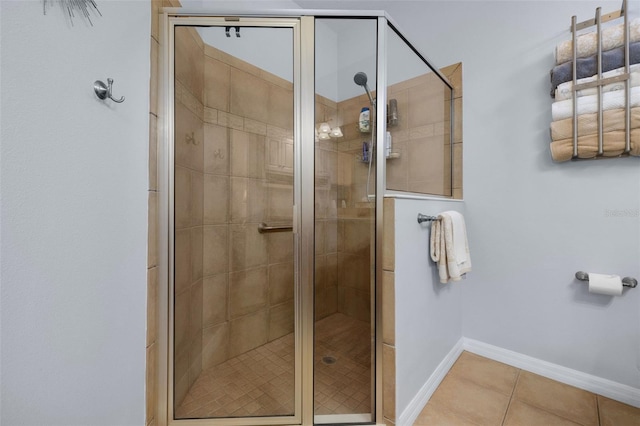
(264, 228)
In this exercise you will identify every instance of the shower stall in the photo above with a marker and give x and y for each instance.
(278, 138)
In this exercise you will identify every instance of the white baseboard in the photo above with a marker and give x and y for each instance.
(410, 414)
(608, 388)
(588, 382)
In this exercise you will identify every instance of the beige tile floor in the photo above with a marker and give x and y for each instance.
(479, 391)
(261, 382)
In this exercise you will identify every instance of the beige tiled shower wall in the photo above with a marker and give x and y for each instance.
(326, 196)
(189, 208)
(422, 136)
(356, 214)
(453, 73)
(343, 216)
(248, 179)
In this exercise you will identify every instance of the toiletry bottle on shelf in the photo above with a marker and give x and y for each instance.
(364, 123)
(365, 152)
(387, 145)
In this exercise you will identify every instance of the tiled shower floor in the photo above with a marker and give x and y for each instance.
(260, 382)
(344, 387)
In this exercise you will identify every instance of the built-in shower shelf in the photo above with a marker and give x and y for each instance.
(391, 156)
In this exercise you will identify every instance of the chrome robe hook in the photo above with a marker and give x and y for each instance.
(103, 91)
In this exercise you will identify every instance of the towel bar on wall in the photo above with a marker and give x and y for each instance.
(426, 218)
(626, 281)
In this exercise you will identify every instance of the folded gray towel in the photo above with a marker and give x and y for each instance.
(586, 67)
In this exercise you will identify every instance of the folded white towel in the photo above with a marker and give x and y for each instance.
(449, 247)
(565, 90)
(459, 236)
(589, 104)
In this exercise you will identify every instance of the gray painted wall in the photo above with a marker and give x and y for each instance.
(74, 184)
(428, 313)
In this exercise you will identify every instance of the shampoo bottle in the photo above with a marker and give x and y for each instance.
(387, 145)
(364, 122)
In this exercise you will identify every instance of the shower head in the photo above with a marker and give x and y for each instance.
(361, 80)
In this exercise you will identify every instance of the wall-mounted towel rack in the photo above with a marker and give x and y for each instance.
(603, 141)
(426, 218)
(626, 281)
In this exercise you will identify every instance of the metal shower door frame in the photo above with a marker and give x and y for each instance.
(303, 216)
(304, 208)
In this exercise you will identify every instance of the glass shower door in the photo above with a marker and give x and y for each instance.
(345, 200)
(235, 346)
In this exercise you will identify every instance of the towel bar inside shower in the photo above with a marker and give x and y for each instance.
(263, 228)
(626, 281)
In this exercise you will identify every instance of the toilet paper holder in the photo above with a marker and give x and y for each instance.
(626, 281)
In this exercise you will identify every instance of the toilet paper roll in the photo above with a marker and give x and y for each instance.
(605, 284)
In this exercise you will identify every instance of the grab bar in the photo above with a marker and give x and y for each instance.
(264, 228)
(626, 281)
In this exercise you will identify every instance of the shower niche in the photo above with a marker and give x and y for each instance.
(275, 211)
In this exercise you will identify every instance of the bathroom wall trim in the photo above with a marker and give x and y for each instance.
(610, 389)
(410, 414)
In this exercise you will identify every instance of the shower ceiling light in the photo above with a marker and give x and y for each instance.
(336, 132)
(324, 128)
(324, 132)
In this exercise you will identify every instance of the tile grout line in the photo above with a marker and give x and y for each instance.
(562, 416)
(446, 409)
(513, 391)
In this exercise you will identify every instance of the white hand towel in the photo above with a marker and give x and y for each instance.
(459, 236)
(437, 250)
(565, 90)
(589, 104)
(449, 247)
